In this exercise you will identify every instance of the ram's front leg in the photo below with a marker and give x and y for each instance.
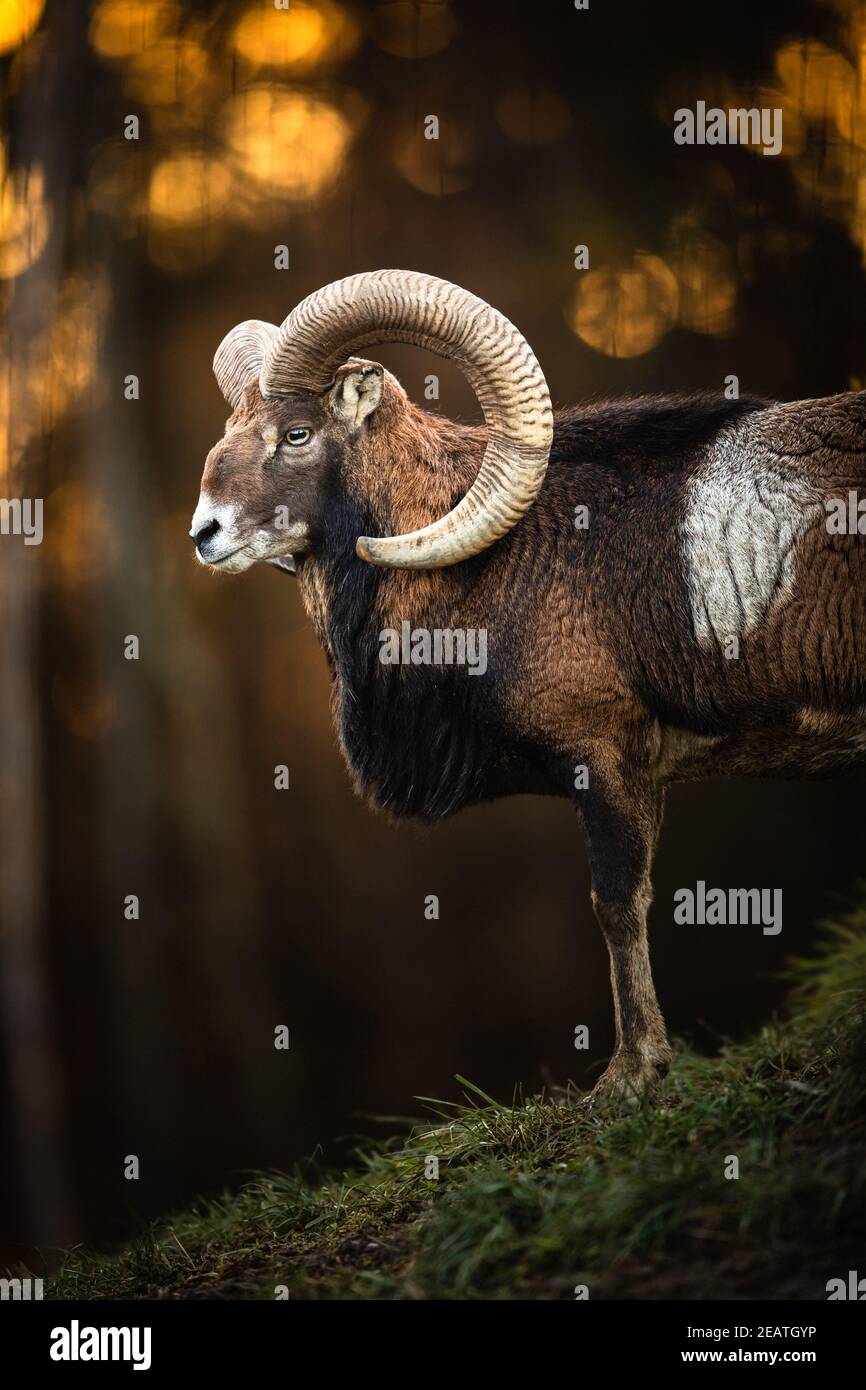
(621, 816)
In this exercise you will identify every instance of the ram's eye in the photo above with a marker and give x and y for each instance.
(299, 435)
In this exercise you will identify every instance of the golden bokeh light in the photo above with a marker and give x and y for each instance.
(824, 93)
(282, 38)
(408, 29)
(826, 176)
(310, 32)
(440, 167)
(18, 19)
(821, 84)
(121, 28)
(532, 115)
(625, 312)
(51, 372)
(9, 451)
(189, 188)
(290, 143)
(707, 278)
(168, 72)
(24, 217)
(64, 366)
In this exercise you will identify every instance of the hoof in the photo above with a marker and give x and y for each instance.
(628, 1077)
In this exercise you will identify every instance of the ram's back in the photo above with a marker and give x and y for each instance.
(706, 574)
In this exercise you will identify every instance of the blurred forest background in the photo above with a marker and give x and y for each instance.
(260, 126)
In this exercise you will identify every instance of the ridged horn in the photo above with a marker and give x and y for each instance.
(240, 356)
(407, 307)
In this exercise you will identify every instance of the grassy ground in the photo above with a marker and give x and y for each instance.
(536, 1198)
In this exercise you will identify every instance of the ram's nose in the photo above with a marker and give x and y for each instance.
(203, 534)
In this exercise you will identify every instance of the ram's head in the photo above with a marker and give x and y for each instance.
(303, 402)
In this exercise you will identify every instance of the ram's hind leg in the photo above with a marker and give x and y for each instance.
(622, 819)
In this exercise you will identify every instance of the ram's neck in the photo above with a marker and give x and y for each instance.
(414, 468)
(387, 715)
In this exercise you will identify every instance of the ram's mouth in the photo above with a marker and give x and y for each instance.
(232, 562)
(284, 562)
(216, 561)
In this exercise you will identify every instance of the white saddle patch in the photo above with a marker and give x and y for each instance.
(745, 513)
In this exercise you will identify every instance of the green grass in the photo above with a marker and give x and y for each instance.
(537, 1197)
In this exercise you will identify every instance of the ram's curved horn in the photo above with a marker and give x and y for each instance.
(404, 306)
(240, 356)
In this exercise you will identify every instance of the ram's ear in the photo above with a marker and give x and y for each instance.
(356, 391)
